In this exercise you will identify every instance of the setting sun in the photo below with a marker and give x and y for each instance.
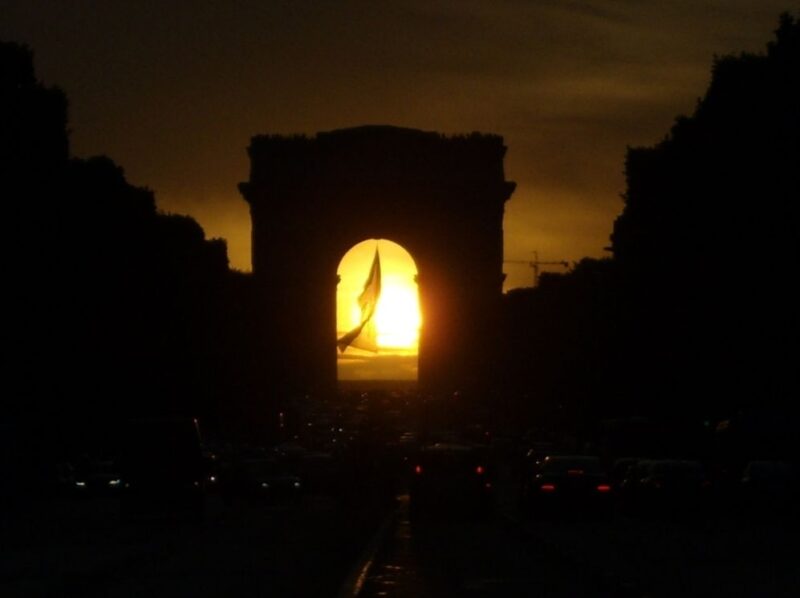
(397, 316)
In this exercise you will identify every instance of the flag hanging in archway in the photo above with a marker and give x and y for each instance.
(364, 336)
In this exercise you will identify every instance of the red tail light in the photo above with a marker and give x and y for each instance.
(479, 470)
(418, 469)
(547, 487)
(603, 488)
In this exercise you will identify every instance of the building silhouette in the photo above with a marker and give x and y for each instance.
(442, 198)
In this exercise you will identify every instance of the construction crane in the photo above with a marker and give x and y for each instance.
(535, 264)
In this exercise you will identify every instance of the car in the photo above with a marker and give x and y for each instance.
(574, 483)
(163, 469)
(626, 478)
(621, 470)
(96, 477)
(265, 479)
(449, 478)
(671, 486)
(770, 487)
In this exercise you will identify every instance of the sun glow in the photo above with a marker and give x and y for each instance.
(397, 315)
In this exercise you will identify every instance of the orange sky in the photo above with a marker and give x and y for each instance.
(173, 94)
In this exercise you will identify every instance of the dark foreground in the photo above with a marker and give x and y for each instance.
(83, 548)
(321, 547)
(621, 557)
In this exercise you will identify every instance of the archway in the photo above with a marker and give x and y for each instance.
(387, 348)
(442, 198)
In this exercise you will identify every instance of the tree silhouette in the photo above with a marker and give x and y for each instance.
(112, 308)
(695, 317)
(708, 236)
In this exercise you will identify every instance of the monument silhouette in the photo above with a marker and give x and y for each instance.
(441, 197)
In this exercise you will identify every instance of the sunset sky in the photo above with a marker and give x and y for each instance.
(173, 91)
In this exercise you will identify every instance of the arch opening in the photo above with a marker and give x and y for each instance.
(378, 317)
